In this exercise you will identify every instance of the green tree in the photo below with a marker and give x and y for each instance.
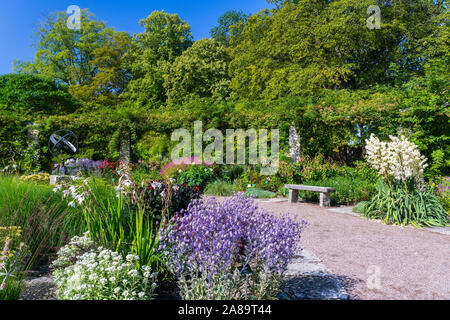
(201, 71)
(111, 77)
(165, 37)
(303, 46)
(230, 25)
(30, 95)
(88, 60)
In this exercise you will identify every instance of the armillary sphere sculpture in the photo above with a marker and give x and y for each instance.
(63, 144)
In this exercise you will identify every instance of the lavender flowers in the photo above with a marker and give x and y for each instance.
(214, 240)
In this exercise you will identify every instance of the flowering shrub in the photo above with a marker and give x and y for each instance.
(109, 169)
(10, 169)
(171, 170)
(316, 168)
(399, 158)
(288, 171)
(158, 197)
(13, 259)
(401, 206)
(148, 170)
(83, 166)
(191, 171)
(229, 250)
(86, 272)
(401, 197)
(196, 175)
(76, 191)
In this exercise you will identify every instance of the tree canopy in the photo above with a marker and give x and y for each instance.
(200, 71)
(165, 37)
(304, 45)
(30, 95)
(314, 63)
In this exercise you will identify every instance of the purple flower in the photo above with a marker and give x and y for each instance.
(216, 237)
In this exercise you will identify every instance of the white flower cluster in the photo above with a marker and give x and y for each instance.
(100, 274)
(125, 182)
(9, 169)
(77, 193)
(398, 158)
(68, 254)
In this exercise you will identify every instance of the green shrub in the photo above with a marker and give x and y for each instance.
(251, 177)
(360, 207)
(151, 145)
(196, 175)
(271, 183)
(219, 188)
(349, 190)
(259, 193)
(396, 204)
(282, 191)
(115, 223)
(316, 168)
(231, 172)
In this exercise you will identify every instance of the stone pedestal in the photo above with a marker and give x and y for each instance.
(56, 179)
(293, 196)
(125, 149)
(294, 143)
(325, 200)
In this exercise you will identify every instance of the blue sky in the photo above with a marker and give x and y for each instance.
(19, 18)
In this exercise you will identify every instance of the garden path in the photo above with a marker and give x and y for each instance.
(409, 263)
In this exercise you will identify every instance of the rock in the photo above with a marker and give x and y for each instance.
(42, 288)
(308, 279)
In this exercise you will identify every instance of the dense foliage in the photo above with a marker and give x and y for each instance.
(338, 84)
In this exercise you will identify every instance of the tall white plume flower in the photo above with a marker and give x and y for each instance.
(398, 158)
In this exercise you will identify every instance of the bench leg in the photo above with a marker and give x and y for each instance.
(293, 196)
(325, 200)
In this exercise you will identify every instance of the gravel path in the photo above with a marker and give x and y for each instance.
(411, 263)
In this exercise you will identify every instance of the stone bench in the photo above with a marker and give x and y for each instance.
(325, 200)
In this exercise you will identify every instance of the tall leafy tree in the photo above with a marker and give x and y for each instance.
(87, 59)
(201, 71)
(111, 77)
(29, 95)
(307, 45)
(230, 25)
(165, 37)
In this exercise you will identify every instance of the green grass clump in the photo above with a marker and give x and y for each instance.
(360, 207)
(219, 188)
(13, 288)
(396, 204)
(45, 218)
(259, 193)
